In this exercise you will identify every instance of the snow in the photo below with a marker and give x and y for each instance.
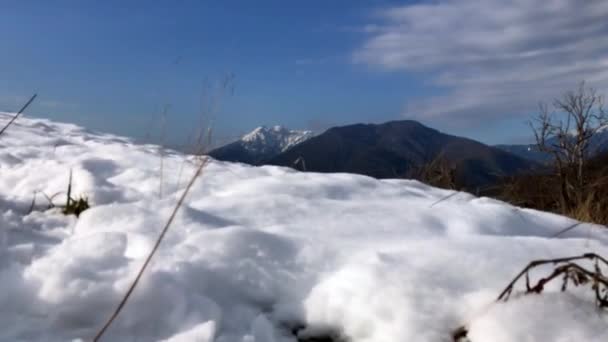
(275, 139)
(257, 251)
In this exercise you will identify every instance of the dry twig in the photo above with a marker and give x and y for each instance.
(566, 269)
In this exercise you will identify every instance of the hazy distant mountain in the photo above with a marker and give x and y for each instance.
(529, 152)
(392, 149)
(261, 144)
(599, 143)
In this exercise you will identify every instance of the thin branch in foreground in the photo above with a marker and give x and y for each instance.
(27, 104)
(124, 300)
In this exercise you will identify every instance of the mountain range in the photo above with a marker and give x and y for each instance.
(389, 150)
(597, 144)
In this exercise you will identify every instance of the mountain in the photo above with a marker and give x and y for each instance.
(598, 144)
(261, 144)
(527, 151)
(393, 149)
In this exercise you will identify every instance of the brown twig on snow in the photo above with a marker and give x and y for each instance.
(565, 268)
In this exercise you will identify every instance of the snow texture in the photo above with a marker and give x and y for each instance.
(257, 250)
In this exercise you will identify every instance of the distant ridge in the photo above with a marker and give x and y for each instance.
(598, 144)
(392, 149)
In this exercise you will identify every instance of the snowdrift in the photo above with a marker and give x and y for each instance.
(256, 251)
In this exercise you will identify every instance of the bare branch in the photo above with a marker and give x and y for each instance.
(569, 139)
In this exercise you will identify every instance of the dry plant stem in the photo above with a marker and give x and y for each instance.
(445, 198)
(567, 229)
(27, 104)
(538, 288)
(33, 203)
(568, 270)
(124, 300)
(69, 195)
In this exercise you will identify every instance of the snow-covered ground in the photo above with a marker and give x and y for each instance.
(256, 250)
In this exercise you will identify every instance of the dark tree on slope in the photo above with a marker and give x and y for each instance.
(565, 130)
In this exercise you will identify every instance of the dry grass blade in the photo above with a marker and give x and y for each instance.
(33, 204)
(567, 229)
(160, 238)
(444, 198)
(69, 194)
(27, 104)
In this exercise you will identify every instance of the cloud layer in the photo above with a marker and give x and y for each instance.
(493, 57)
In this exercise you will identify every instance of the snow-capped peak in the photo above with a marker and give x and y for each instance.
(273, 139)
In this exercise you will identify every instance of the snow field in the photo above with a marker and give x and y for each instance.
(256, 250)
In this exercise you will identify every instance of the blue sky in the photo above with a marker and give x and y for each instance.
(114, 65)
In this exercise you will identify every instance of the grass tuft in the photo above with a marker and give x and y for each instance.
(72, 206)
(76, 207)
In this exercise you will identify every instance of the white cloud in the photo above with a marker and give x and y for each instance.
(494, 57)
